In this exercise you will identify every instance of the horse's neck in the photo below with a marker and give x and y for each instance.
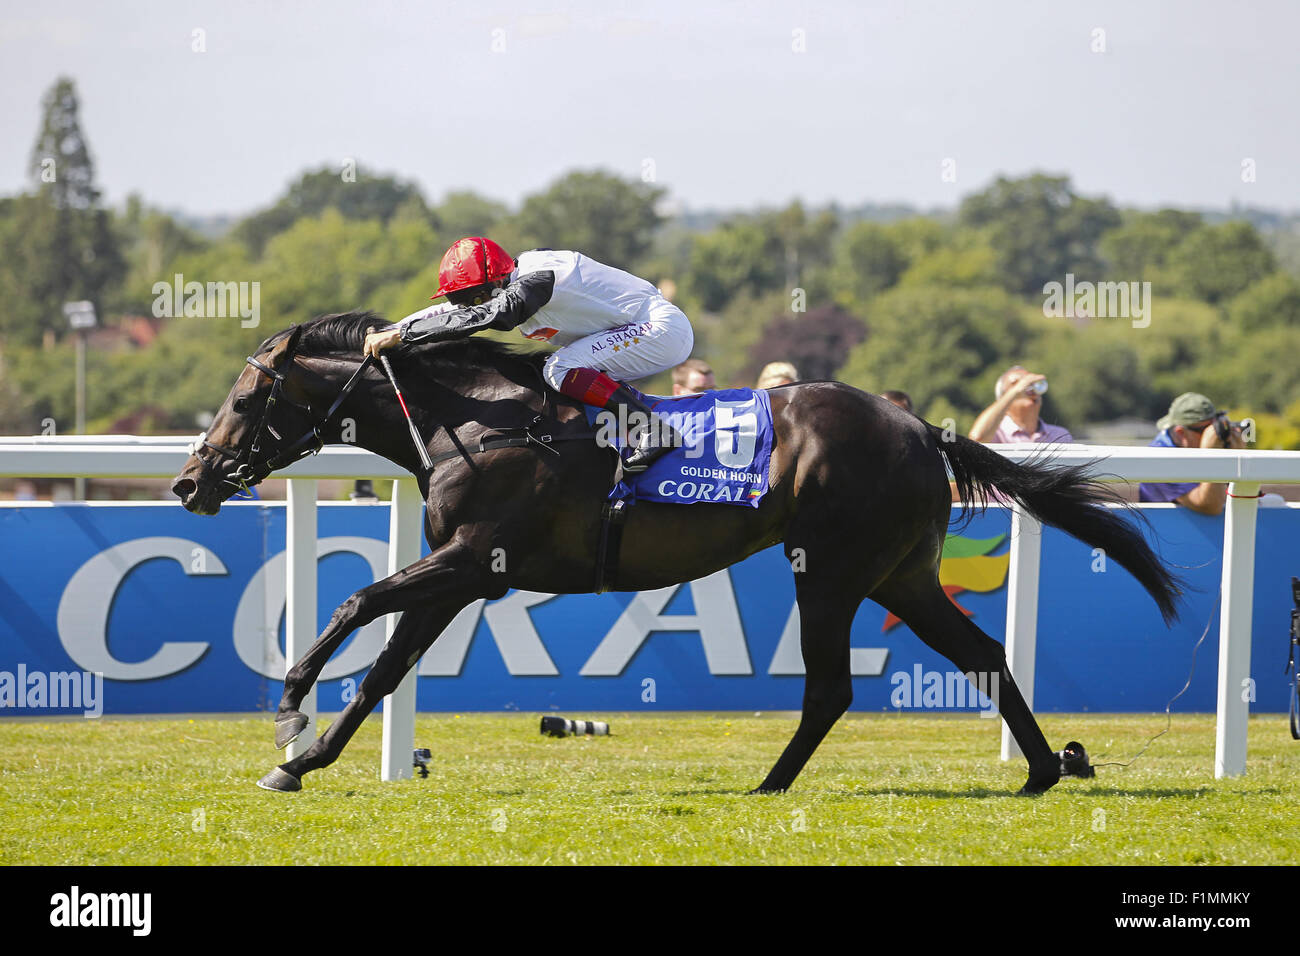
(364, 420)
(372, 418)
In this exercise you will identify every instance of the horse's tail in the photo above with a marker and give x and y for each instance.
(1068, 497)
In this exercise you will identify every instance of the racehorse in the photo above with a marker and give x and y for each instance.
(858, 496)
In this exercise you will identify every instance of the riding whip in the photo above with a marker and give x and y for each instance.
(423, 451)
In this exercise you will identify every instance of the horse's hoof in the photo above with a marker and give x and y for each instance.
(281, 781)
(289, 728)
(1037, 786)
(765, 791)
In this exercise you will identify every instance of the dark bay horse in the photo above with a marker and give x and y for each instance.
(858, 493)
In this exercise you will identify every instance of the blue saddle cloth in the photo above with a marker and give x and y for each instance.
(724, 457)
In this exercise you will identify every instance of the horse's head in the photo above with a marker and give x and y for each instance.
(252, 434)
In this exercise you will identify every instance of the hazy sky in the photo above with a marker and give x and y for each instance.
(502, 98)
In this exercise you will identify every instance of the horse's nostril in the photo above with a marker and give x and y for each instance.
(183, 488)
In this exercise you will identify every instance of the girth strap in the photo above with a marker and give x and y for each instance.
(612, 518)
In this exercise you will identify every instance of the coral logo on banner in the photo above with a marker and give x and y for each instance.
(181, 614)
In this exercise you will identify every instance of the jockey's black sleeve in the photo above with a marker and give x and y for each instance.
(514, 306)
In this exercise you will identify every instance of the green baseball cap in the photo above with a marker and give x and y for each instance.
(1188, 408)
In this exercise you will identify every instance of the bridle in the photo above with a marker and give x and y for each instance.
(248, 472)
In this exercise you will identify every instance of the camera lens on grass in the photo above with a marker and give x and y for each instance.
(562, 727)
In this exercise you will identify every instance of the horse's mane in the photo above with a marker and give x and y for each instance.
(345, 333)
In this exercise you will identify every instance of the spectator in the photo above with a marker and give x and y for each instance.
(1014, 415)
(1190, 424)
(692, 376)
(777, 373)
(901, 399)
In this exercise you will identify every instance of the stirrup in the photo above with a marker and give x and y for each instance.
(642, 458)
(649, 451)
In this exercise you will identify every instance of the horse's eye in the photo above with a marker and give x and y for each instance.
(241, 405)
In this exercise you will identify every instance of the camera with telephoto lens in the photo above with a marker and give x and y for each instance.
(561, 727)
(1224, 425)
(1074, 761)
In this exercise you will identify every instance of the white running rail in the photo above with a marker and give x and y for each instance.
(124, 456)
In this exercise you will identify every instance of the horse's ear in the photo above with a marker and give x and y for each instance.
(285, 347)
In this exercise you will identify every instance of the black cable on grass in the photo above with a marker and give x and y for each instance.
(1169, 719)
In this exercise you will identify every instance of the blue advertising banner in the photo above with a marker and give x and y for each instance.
(184, 614)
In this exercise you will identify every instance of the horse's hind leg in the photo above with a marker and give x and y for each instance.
(923, 607)
(830, 583)
(831, 579)
(825, 617)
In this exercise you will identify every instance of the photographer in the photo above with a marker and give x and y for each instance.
(1193, 422)
(1014, 414)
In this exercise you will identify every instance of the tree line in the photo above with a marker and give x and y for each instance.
(935, 304)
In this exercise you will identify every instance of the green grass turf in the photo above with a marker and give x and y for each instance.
(882, 789)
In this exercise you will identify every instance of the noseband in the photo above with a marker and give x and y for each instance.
(247, 472)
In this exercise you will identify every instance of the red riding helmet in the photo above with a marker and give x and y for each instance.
(470, 262)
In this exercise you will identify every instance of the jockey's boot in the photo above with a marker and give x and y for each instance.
(654, 436)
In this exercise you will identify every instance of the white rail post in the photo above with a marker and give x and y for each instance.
(1235, 629)
(1022, 612)
(300, 591)
(404, 526)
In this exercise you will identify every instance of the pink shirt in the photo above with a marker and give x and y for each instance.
(1010, 433)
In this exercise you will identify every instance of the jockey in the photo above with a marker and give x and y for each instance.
(610, 326)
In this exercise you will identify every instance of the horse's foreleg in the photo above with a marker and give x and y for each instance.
(435, 578)
(936, 621)
(347, 617)
(825, 617)
(413, 635)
